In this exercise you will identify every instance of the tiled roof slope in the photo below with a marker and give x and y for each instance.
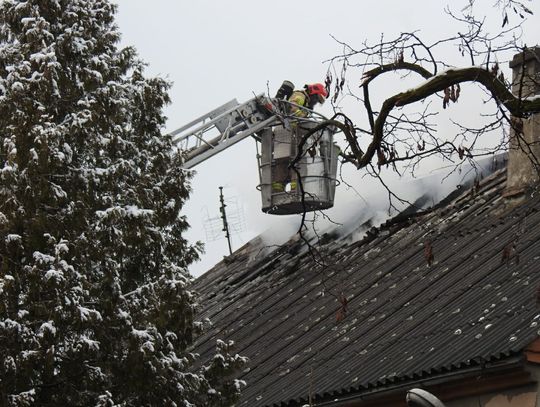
(405, 320)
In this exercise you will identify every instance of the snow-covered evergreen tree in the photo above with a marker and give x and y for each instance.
(94, 304)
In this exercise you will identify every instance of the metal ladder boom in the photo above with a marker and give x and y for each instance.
(219, 129)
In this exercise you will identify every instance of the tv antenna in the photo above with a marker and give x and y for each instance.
(230, 221)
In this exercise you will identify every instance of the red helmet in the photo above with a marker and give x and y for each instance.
(319, 90)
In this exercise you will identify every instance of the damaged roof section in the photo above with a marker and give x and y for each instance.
(422, 296)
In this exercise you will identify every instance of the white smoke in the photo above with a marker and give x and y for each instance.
(355, 216)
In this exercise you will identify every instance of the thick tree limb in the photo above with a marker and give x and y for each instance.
(516, 106)
(368, 76)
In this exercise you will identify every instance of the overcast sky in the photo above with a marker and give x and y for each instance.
(215, 51)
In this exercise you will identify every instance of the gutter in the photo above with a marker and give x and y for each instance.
(462, 374)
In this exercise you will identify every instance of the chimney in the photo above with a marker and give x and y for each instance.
(524, 153)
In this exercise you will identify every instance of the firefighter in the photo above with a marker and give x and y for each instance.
(307, 97)
(285, 146)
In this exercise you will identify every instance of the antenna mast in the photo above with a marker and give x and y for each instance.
(224, 217)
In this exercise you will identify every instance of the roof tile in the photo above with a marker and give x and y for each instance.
(404, 319)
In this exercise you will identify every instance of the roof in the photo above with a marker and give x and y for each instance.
(426, 294)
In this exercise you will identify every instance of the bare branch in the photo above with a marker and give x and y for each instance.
(516, 106)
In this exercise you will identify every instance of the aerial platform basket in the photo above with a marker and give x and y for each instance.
(308, 184)
(297, 172)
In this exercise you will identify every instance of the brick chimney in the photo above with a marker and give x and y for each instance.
(524, 153)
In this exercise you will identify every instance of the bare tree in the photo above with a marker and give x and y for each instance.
(400, 131)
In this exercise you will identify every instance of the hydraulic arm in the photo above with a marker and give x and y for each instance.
(221, 128)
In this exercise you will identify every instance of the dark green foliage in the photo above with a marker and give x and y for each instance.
(94, 305)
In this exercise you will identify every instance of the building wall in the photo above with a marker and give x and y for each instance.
(523, 396)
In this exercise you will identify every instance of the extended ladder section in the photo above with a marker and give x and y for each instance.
(221, 128)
